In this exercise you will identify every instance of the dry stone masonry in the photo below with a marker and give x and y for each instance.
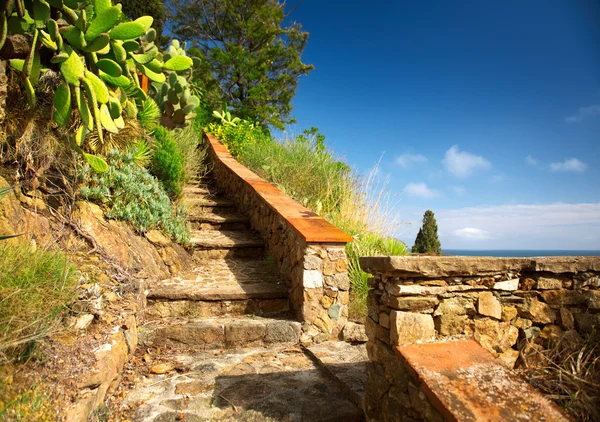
(309, 251)
(512, 307)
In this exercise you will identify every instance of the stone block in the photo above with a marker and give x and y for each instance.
(336, 253)
(312, 279)
(451, 324)
(238, 335)
(413, 290)
(371, 328)
(384, 320)
(509, 358)
(408, 327)
(508, 285)
(354, 333)
(545, 283)
(494, 335)
(456, 306)
(326, 301)
(413, 304)
(341, 265)
(328, 267)
(538, 312)
(343, 297)
(509, 313)
(312, 262)
(566, 319)
(563, 297)
(488, 305)
(341, 281)
(282, 332)
(335, 311)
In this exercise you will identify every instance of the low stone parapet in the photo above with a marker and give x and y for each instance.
(309, 251)
(513, 307)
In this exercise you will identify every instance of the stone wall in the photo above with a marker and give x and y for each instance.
(309, 251)
(512, 307)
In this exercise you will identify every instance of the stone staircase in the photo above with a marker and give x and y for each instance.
(234, 296)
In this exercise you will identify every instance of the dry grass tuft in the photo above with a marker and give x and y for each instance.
(31, 138)
(568, 372)
(35, 287)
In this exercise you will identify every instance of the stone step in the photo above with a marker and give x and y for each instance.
(207, 203)
(201, 190)
(220, 333)
(220, 287)
(224, 239)
(159, 308)
(218, 219)
(201, 255)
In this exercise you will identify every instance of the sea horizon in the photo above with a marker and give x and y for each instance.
(519, 253)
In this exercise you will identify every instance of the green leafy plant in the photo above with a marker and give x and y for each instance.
(168, 162)
(225, 117)
(130, 193)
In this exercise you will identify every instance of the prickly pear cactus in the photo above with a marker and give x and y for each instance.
(173, 95)
(94, 48)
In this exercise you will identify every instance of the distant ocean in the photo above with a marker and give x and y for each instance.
(518, 253)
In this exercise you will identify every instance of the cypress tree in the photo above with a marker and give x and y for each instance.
(427, 239)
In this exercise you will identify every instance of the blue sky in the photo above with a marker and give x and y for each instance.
(487, 113)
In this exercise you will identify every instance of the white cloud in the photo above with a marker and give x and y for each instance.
(421, 190)
(523, 226)
(584, 112)
(459, 190)
(463, 164)
(531, 161)
(472, 233)
(570, 164)
(405, 160)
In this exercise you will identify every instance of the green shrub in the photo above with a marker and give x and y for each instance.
(131, 194)
(35, 287)
(203, 116)
(168, 162)
(240, 137)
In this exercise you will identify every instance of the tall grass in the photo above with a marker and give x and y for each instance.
(35, 287)
(361, 206)
(189, 142)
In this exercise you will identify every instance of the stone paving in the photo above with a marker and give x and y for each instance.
(252, 384)
(344, 363)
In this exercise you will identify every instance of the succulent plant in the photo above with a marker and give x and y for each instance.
(173, 95)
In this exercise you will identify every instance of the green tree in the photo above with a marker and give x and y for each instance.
(253, 59)
(427, 239)
(133, 9)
